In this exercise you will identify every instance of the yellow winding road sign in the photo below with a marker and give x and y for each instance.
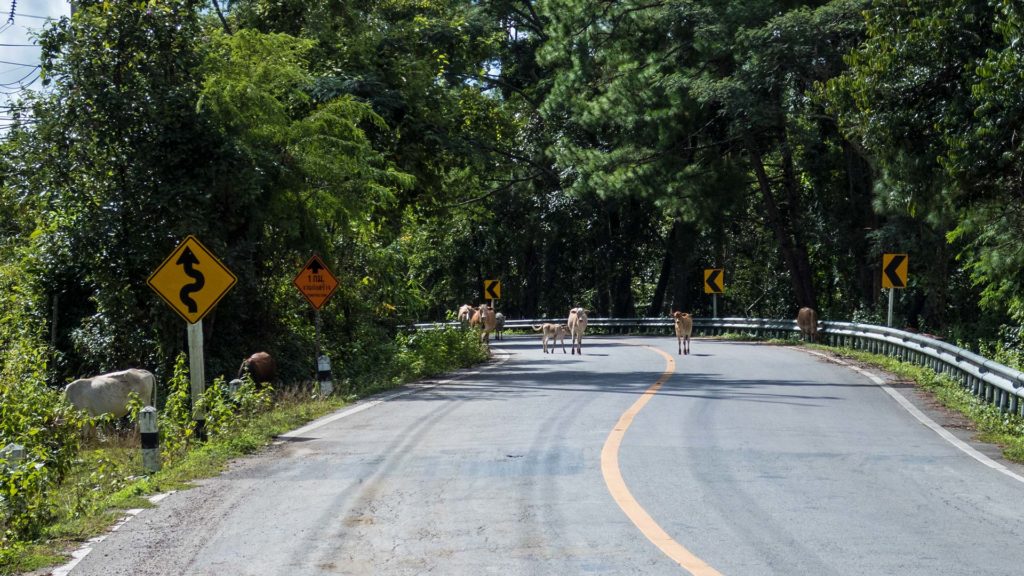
(191, 280)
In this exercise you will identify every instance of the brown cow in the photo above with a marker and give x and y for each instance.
(260, 367)
(554, 333)
(807, 320)
(465, 313)
(684, 328)
(499, 325)
(488, 322)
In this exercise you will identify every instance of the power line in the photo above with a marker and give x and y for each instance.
(20, 80)
(36, 17)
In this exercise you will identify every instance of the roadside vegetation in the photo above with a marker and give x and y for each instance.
(596, 154)
(104, 476)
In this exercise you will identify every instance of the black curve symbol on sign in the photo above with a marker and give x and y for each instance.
(188, 260)
(892, 271)
(489, 291)
(712, 281)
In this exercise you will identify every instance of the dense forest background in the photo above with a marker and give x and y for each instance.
(584, 152)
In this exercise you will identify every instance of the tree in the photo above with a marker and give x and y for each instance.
(905, 105)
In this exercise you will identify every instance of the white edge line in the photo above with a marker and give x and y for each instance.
(86, 548)
(924, 419)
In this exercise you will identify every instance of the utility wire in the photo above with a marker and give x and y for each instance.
(36, 17)
(20, 80)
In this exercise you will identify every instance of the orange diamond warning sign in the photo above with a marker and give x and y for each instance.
(316, 282)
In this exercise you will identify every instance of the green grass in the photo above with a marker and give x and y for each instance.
(107, 480)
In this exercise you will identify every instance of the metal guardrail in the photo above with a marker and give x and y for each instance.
(990, 381)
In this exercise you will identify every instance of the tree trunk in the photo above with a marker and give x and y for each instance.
(794, 252)
(859, 179)
(683, 268)
(658, 300)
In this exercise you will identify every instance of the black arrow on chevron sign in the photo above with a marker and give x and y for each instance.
(891, 271)
(712, 281)
(489, 291)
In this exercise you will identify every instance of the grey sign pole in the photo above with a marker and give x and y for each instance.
(197, 375)
(892, 299)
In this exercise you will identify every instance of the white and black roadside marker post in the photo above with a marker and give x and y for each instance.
(150, 440)
(323, 375)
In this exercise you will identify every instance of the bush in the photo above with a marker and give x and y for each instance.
(36, 417)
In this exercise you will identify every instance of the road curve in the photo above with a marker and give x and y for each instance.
(754, 459)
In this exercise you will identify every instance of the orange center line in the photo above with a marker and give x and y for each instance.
(624, 498)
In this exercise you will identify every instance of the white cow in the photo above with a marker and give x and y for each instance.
(577, 326)
(109, 393)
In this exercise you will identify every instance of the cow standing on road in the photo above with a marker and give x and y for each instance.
(684, 328)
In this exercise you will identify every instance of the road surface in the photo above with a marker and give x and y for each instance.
(740, 459)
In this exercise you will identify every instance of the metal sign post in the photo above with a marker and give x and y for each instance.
(492, 291)
(894, 275)
(197, 377)
(316, 283)
(892, 304)
(714, 285)
(192, 281)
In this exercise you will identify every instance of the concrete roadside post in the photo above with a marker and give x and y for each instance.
(12, 455)
(323, 375)
(150, 440)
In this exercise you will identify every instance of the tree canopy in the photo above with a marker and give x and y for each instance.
(584, 153)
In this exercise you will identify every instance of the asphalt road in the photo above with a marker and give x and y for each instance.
(741, 459)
